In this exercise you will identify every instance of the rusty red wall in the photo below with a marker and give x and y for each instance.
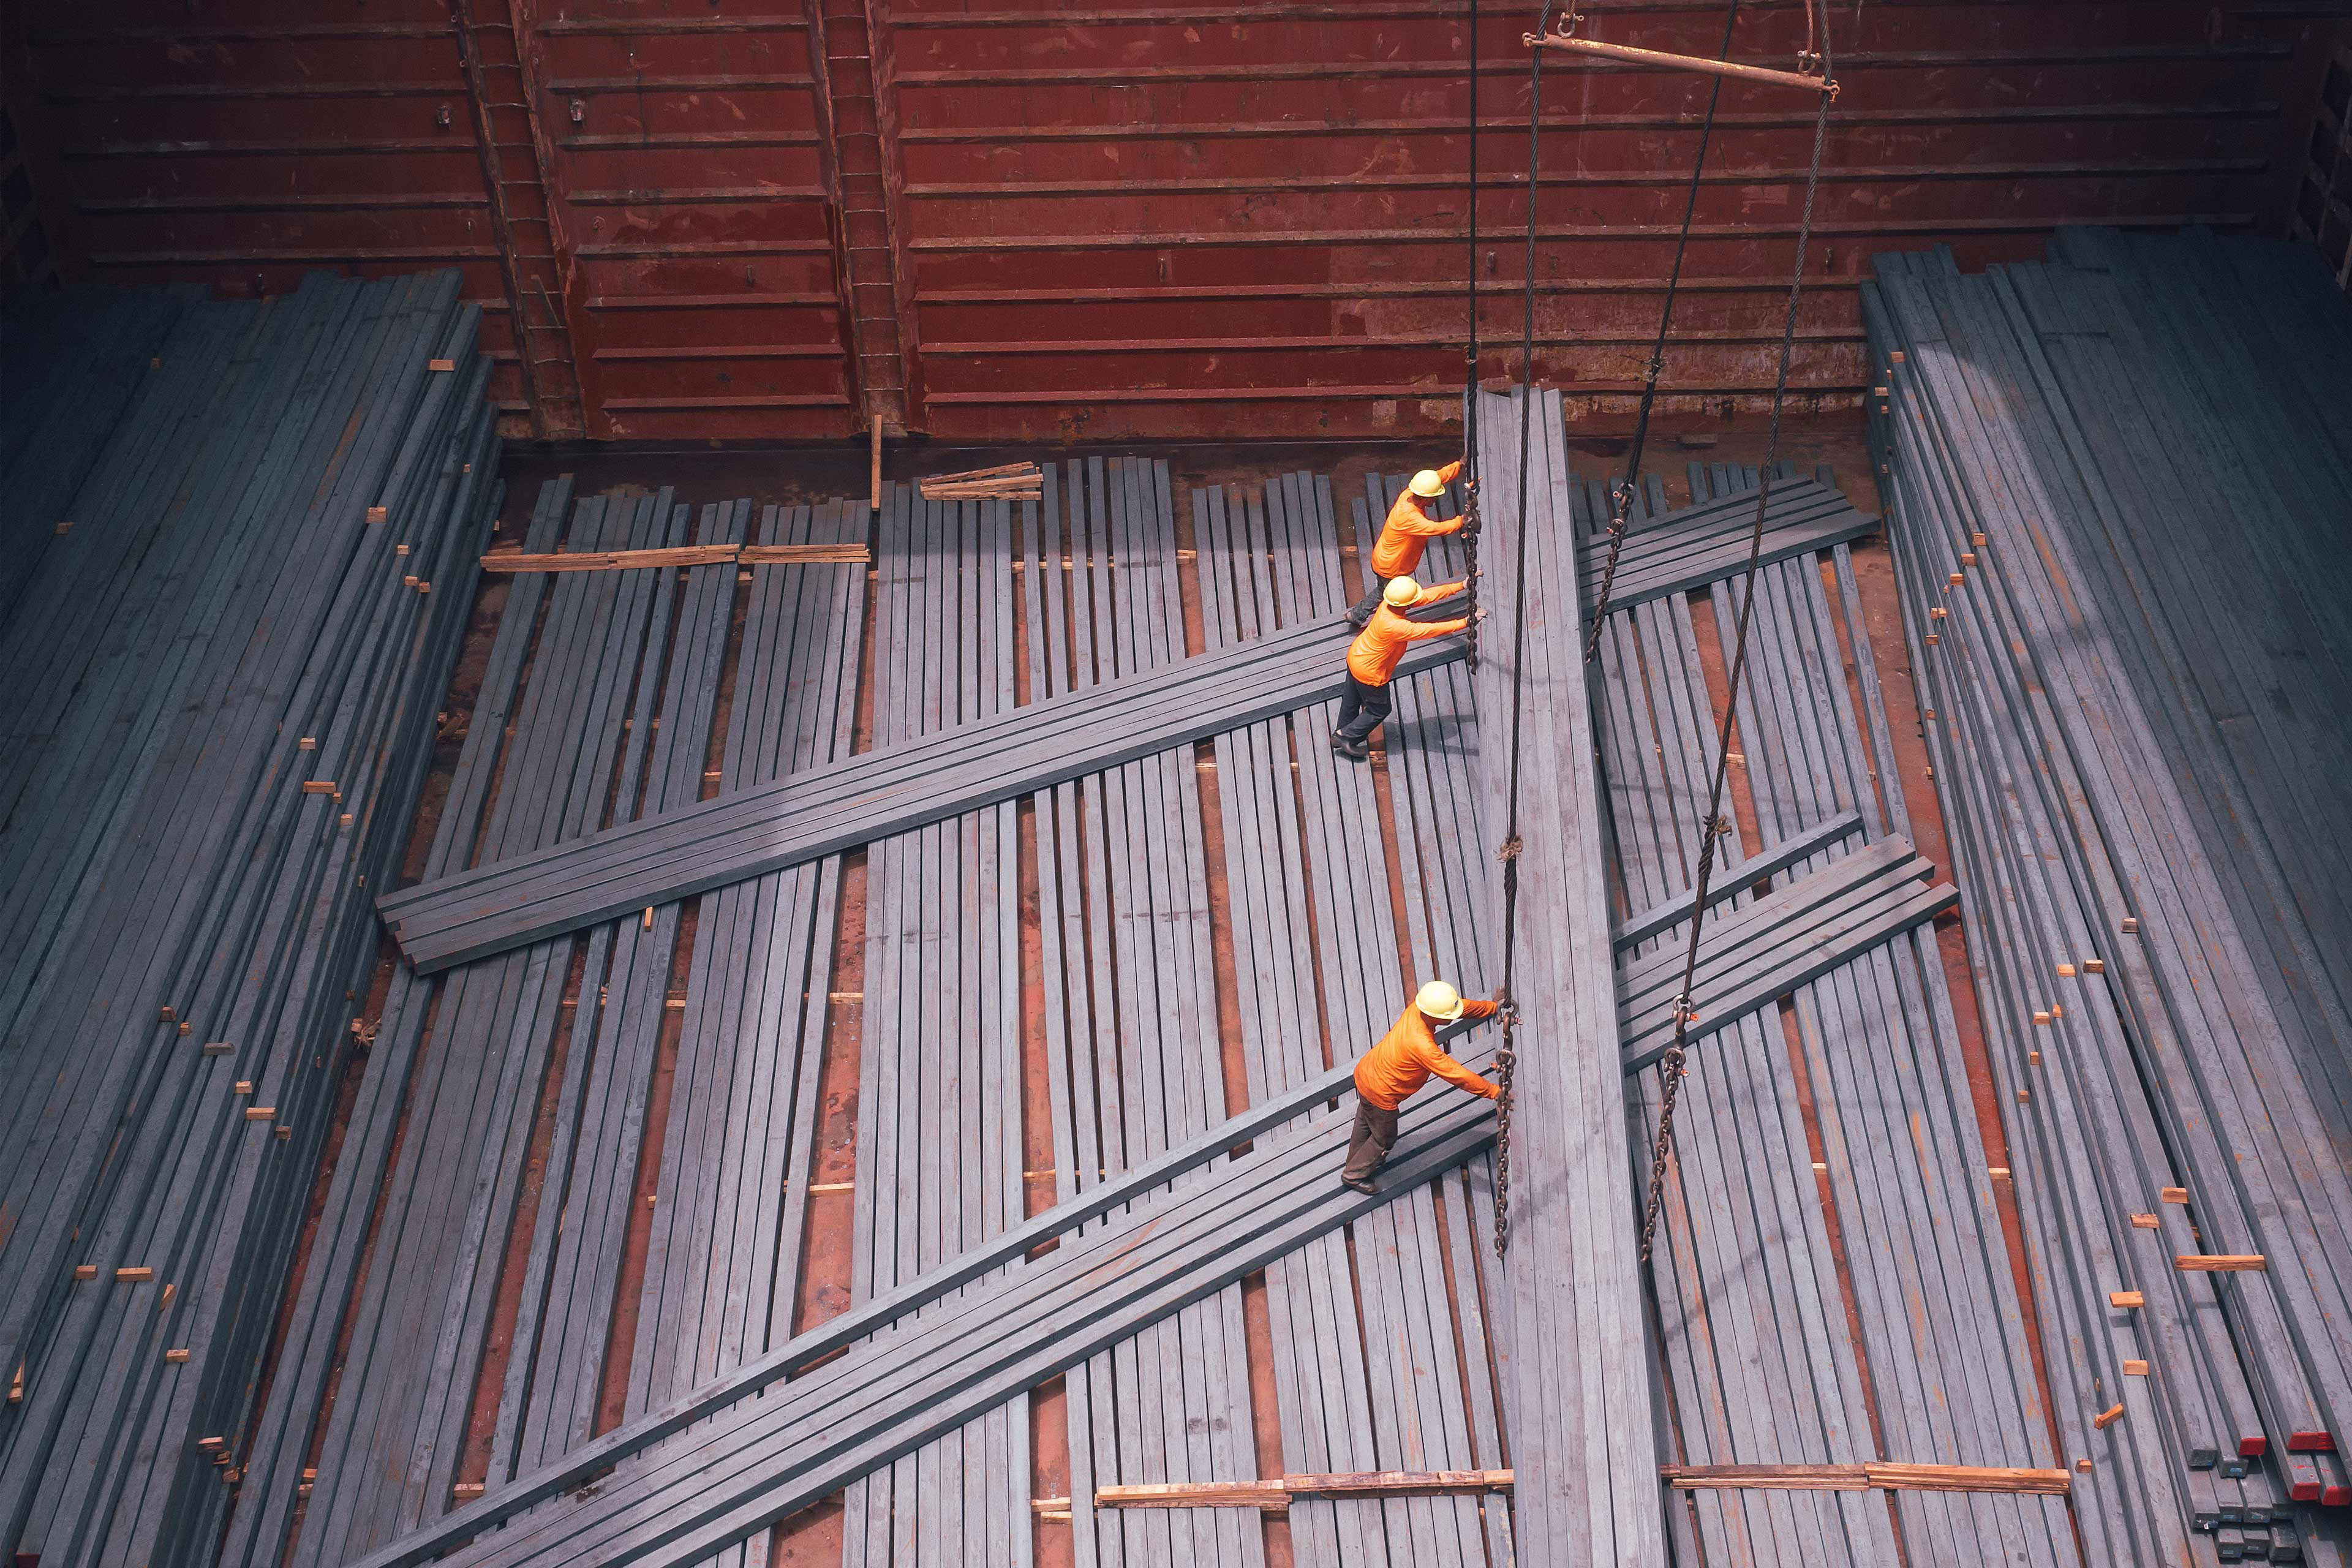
(712, 219)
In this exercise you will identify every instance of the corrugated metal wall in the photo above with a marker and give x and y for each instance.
(717, 219)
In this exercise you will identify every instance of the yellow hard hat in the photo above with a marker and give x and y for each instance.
(1439, 1000)
(1427, 485)
(1400, 591)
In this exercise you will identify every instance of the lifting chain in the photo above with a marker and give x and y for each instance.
(1670, 1065)
(1670, 1075)
(1470, 573)
(1715, 827)
(1507, 1061)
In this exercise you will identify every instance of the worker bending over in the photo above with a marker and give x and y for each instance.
(1401, 1064)
(1372, 659)
(1406, 534)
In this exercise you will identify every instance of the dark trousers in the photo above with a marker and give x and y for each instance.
(1368, 1144)
(1362, 710)
(1371, 601)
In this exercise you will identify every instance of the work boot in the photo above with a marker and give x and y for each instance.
(1357, 748)
(1370, 1189)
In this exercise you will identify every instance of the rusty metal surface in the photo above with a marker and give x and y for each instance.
(722, 220)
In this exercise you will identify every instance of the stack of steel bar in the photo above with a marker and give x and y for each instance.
(225, 677)
(939, 1057)
(714, 1467)
(1132, 1051)
(410, 1298)
(1761, 1361)
(672, 854)
(2117, 484)
(66, 372)
(1371, 1378)
(1584, 1417)
(1151, 1397)
(723, 1256)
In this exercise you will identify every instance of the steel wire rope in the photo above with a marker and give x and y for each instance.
(1621, 496)
(1713, 828)
(1506, 1055)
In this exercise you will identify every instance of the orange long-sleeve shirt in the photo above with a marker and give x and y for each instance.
(1373, 656)
(1408, 1054)
(1409, 529)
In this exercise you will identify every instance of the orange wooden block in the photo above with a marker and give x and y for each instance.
(2108, 1417)
(2126, 1299)
(2173, 1195)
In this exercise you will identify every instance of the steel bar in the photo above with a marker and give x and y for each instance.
(1655, 59)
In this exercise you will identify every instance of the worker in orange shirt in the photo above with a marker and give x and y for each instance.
(1398, 1066)
(1372, 658)
(1405, 535)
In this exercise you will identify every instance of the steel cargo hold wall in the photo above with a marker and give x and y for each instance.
(638, 199)
(741, 221)
(1224, 220)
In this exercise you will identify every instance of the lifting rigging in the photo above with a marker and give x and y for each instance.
(1812, 75)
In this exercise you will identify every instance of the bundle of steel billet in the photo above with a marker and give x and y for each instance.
(307, 1356)
(559, 1343)
(1133, 1061)
(764, 1459)
(745, 833)
(277, 542)
(1758, 1360)
(66, 370)
(1942, 1342)
(723, 1256)
(1675, 552)
(2244, 421)
(1943, 1338)
(463, 1066)
(716, 1467)
(1368, 1379)
(939, 1086)
(1585, 1423)
(2042, 448)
